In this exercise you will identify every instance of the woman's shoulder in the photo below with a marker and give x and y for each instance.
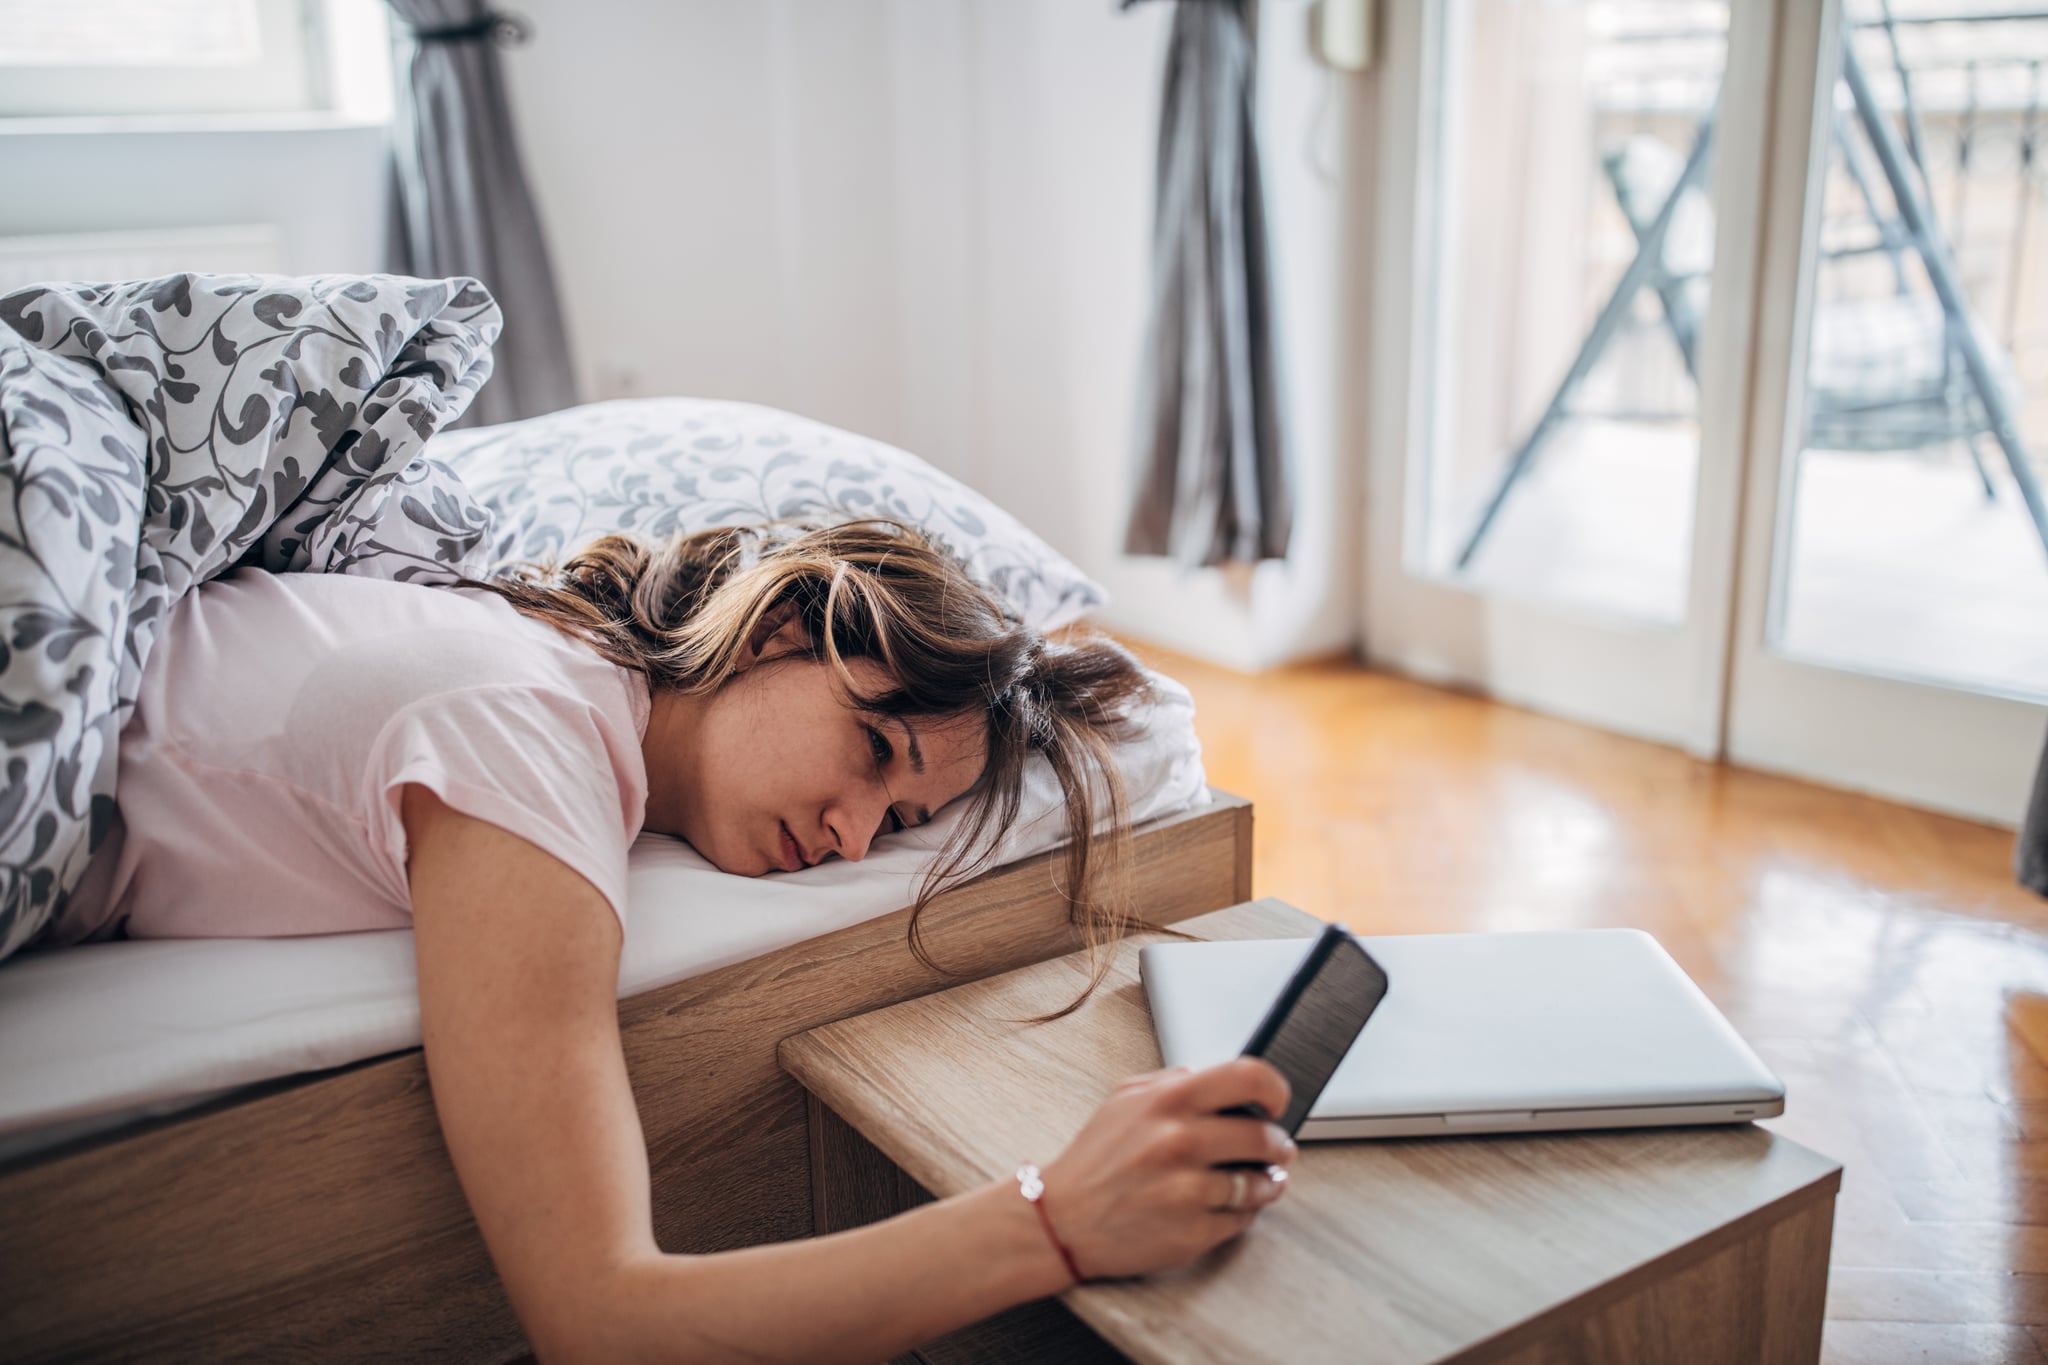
(334, 612)
(252, 590)
(325, 644)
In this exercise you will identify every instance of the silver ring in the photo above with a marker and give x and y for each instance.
(1237, 1189)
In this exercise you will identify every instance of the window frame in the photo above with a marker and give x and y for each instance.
(317, 60)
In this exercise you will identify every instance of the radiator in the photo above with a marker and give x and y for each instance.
(251, 248)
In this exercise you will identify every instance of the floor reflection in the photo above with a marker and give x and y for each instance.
(1881, 959)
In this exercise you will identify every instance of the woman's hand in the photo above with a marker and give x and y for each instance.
(1137, 1189)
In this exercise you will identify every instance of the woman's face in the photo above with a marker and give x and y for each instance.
(774, 771)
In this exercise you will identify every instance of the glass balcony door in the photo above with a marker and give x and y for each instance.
(1893, 627)
(1709, 394)
(1565, 257)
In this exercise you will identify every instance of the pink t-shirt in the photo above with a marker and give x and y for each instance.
(279, 718)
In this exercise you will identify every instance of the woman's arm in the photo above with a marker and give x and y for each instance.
(518, 971)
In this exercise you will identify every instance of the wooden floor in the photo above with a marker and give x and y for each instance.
(1881, 959)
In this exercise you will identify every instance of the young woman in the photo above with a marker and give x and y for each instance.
(313, 753)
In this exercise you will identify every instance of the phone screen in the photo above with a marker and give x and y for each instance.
(1317, 1017)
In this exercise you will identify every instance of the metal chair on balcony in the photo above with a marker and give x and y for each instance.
(1907, 371)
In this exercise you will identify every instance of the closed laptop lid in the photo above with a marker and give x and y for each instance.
(1473, 1023)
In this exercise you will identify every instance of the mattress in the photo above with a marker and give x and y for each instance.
(105, 1034)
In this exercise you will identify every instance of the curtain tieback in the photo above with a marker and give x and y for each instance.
(508, 30)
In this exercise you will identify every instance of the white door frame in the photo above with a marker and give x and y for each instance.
(1945, 748)
(1662, 683)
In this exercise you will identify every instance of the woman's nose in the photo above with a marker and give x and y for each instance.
(854, 827)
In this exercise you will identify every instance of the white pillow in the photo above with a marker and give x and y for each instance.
(656, 466)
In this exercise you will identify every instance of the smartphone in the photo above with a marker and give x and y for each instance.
(1319, 1014)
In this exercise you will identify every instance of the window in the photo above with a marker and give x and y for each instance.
(154, 57)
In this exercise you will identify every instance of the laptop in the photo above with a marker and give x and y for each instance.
(1484, 1033)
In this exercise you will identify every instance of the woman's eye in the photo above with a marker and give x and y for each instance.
(879, 746)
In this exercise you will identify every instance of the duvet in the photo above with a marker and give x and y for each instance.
(156, 434)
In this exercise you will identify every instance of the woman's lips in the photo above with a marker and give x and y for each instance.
(792, 852)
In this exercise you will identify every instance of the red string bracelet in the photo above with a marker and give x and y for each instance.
(1032, 1186)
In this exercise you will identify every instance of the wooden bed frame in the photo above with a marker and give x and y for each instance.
(320, 1218)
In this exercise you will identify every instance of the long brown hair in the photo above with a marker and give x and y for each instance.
(683, 613)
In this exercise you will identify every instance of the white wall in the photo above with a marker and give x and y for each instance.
(321, 177)
(928, 220)
(925, 220)
(1306, 605)
(325, 188)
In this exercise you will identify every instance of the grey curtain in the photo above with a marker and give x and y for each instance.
(1212, 484)
(462, 203)
(2030, 858)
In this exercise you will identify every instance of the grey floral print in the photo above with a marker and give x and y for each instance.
(156, 434)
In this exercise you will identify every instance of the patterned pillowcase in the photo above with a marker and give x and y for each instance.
(657, 466)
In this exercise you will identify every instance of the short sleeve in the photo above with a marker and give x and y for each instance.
(533, 761)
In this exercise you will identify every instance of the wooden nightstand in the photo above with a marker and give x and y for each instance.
(1699, 1245)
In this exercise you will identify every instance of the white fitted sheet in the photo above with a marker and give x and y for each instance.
(104, 1034)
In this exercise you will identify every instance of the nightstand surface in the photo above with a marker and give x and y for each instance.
(1693, 1244)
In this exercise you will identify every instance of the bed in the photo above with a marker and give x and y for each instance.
(317, 1217)
(227, 1150)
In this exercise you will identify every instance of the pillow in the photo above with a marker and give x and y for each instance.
(657, 466)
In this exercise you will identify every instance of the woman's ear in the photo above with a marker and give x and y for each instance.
(779, 632)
